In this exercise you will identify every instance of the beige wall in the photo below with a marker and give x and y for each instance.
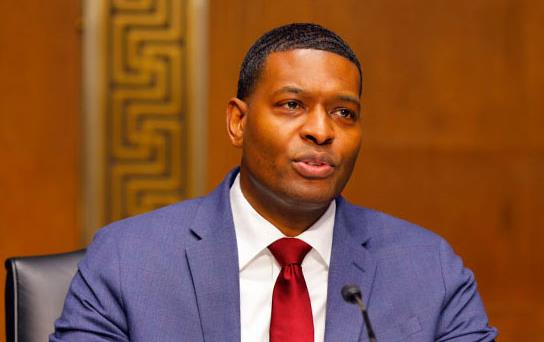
(452, 126)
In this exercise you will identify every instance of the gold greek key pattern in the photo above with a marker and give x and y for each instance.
(146, 128)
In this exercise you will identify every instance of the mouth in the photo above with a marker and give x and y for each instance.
(314, 166)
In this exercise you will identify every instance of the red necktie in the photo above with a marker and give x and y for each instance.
(292, 319)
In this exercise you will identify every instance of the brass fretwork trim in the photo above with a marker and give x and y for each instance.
(144, 106)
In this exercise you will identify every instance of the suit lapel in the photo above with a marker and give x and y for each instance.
(351, 263)
(213, 263)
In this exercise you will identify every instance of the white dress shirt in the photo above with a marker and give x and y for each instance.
(259, 269)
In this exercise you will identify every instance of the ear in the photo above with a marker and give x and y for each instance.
(236, 120)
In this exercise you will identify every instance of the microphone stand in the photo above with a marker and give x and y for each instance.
(352, 294)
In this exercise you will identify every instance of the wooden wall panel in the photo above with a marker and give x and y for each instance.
(452, 126)
(39, 129)
(453, 114)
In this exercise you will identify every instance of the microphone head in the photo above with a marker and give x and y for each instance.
(351, 293)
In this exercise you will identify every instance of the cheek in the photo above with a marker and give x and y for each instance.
(267, 135)
(261, 144)
(350, 153)
(351, 145)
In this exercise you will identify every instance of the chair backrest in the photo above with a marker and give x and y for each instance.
(35, 290)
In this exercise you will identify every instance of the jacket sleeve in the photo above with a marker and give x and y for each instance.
(94, 309)
(463, 317)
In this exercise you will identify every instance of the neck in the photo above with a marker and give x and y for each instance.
(292, 217)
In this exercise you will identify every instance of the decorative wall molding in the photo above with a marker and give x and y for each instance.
(144, 106)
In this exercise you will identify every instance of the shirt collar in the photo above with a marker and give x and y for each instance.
(254, 233)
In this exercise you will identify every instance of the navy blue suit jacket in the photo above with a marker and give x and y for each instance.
(172, 275)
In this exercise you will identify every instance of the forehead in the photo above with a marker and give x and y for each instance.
(311, 70)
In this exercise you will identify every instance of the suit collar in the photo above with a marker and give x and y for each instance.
(351, 263)
(214, 208)
(213, 263)
(254, 233)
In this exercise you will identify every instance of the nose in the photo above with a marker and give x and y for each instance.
(317, 128)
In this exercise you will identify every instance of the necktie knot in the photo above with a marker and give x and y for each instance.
(289, 251)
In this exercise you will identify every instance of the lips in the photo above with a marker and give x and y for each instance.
(314, 166)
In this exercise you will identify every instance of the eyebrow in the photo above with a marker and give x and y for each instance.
(288, 89)
(296, 90)
(349, 98)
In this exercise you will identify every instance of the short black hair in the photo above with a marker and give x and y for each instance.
(286, 38)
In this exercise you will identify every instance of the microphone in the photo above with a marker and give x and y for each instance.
(352, 294)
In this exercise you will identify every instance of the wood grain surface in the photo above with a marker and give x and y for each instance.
(39, 129)
(452, 120)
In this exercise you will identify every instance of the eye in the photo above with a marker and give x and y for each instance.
(346, 113)
(291, 105)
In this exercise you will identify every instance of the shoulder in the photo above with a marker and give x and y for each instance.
(173, 223)
(435, 283)
(400, 246)
(141, 236)
(384, 231)
(157, 222)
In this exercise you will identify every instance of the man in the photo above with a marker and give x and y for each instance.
(212, 269)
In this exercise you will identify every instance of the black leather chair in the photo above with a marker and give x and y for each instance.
(35, 291)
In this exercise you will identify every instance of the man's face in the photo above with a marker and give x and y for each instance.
(301, 134)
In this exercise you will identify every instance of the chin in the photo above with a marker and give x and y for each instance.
(309, 195)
